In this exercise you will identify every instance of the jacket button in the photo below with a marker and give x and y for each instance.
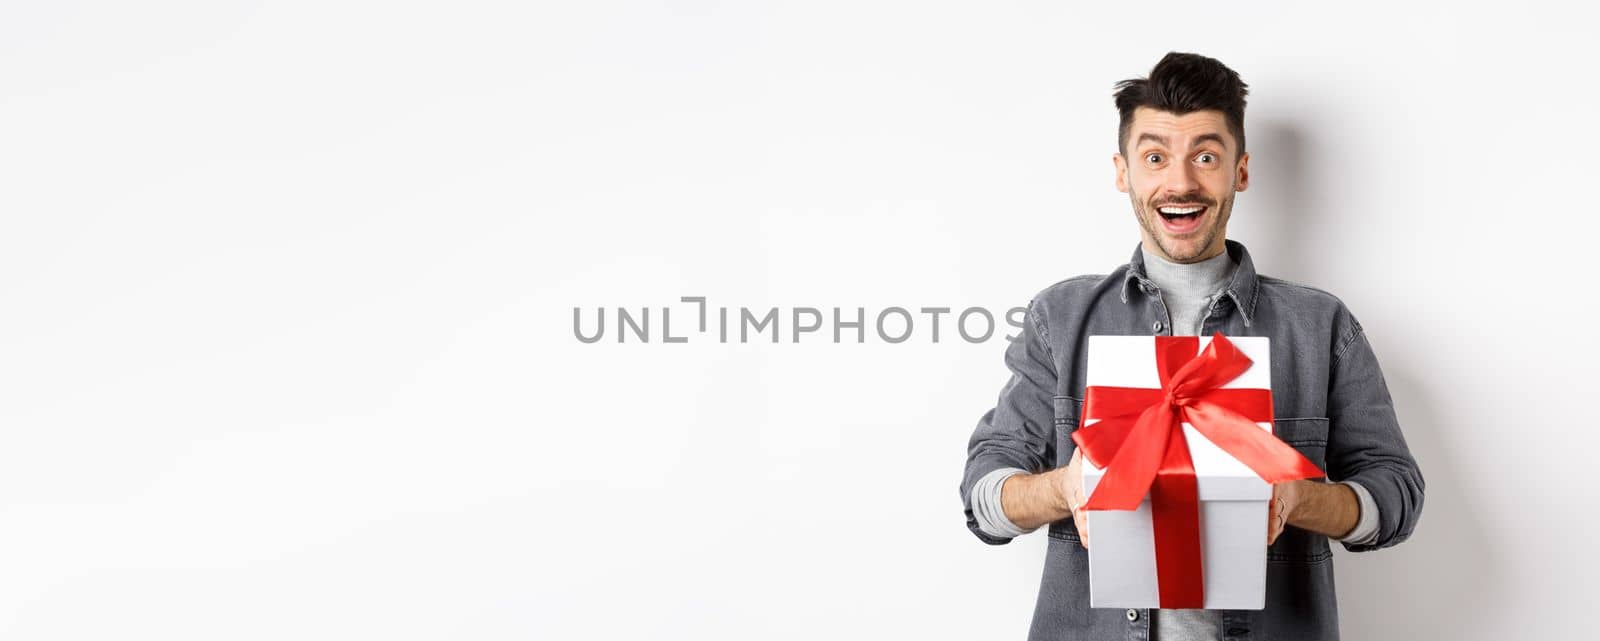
(1133, 615)
(1157, 326)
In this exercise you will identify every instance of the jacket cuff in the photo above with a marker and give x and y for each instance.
(1397, 499)
(1366, 530)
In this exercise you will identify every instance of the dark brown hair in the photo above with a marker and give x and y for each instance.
(1183, 83)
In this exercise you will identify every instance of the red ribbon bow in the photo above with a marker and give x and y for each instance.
(1139, 442)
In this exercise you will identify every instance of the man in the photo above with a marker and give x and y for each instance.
(1181, 159)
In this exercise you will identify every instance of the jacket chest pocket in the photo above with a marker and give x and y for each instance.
(1309, 436)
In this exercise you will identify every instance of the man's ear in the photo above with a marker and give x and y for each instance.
(1122, 172)
(1243, 181)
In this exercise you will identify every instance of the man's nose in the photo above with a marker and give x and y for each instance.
(1180, 179)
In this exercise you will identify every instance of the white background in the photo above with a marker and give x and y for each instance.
(286, 342)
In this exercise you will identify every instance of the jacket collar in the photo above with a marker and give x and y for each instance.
(1241, 288)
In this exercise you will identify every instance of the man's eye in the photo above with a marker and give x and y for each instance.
(1207, 158)
(1152, 158)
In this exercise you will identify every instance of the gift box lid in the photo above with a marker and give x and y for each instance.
(1129, 361)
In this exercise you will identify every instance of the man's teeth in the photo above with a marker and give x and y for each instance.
(1179, 211)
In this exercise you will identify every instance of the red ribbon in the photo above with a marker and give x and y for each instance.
(1139, 442)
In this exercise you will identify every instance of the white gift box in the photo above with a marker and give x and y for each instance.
(1233, 499)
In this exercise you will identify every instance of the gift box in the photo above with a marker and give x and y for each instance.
(1179, 459)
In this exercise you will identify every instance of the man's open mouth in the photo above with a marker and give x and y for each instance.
(1181, 213)
(1181, 219)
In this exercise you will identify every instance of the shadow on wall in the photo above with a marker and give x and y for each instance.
(1442, 582)
(1439, 584)
(1287, 212)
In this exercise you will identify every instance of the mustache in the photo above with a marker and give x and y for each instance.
(1184, 200)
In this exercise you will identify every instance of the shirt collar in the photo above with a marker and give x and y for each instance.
(1241, 288)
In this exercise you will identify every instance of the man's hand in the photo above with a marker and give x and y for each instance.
(1330, 509)
(1072, 491)
(1033, 500)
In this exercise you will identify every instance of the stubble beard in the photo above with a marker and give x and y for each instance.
(1152, 227)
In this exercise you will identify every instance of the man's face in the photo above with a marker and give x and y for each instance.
(1181, 173)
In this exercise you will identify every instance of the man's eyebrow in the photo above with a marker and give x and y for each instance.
(1162, 140)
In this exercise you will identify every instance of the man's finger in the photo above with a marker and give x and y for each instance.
(1272, 525)
(1274, 521)
(1080, 518)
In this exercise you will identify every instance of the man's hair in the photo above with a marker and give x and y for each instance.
(1183, 83)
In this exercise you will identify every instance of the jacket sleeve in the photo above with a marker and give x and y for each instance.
(1019, 431)
(1364, 440)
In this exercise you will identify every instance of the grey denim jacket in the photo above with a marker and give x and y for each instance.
(1330, 403)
